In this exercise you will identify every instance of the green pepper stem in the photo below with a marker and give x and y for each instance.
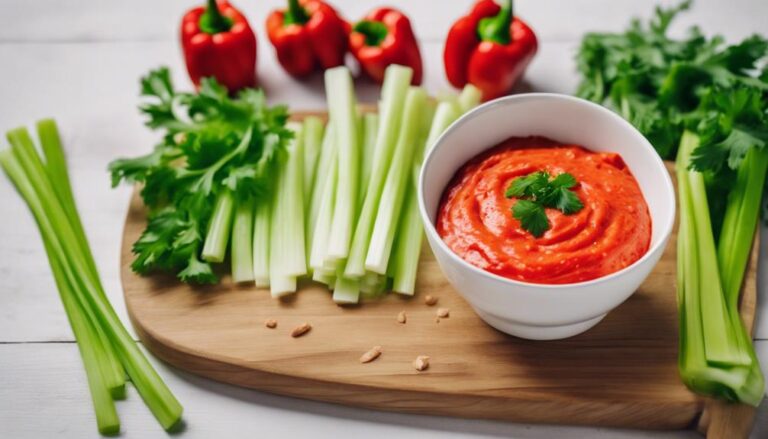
(496, 28)
(295, 14)
(212, 21)
(374, 31)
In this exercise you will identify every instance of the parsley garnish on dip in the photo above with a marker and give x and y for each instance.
(539, 192)
(576, 215)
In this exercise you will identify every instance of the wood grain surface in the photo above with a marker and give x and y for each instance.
(621, 373)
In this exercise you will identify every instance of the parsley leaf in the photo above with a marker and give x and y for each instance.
(536, 191)
(531, 216)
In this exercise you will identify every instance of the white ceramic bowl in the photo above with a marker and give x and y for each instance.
(536, 311)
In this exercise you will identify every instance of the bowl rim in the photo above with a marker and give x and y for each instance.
(429, 227)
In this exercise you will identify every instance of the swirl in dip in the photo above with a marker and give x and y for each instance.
(612, 231)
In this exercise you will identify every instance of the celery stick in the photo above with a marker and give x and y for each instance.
(56, 167)
(734, 248)
(217, 238)
(469, 98)
(741, 214)
(293, 219)
(324, 218)
(343, 115)
(57, 230)
(396, 82)
(261, 243)
(29, 159)
(325, 163)
(394, 187)
(718, 332)
(370, 132)
(695, 370)
(88, 342)
(242, 242)
(91, 351)
(408, 246)
(287, 259)
(313, 142)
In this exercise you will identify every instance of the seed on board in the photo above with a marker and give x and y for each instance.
(421, 363)
(430, 300)
(271, 323)
(301, 330)
(371, 355)
(443, 313)
(401, 317)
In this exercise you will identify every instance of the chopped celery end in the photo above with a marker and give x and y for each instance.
(282, 285)
(346, 291)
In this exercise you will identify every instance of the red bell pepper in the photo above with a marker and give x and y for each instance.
(383, 38)
(489, 49)
(217, 41)
(308, 35)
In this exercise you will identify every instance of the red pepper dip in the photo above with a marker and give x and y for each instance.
(612, 231)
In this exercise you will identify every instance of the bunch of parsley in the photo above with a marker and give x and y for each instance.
(658, 83)
(706, 103)
(211, 143)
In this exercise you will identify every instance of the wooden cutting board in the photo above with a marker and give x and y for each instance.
(621, 373)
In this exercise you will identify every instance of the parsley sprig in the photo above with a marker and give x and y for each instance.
(212, 142)
(535, 192)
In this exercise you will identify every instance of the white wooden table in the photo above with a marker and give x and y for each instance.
(79, 61)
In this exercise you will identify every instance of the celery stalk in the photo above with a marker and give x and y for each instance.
(407, 249)
(343, 115)
(325, 162)
(89, 342)
(58, 231)
(217, 238)
(29, 160)
(346, 290)
(242, 242)
(716, 355)
(740, 221)
(313, 142)
(324, 218)
(287, 259)
(394, 187)
(370, 131)
(717, 332)
(91, 351)
(261, 243)
(396, 82)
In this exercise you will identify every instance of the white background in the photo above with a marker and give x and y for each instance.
(79, 61)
